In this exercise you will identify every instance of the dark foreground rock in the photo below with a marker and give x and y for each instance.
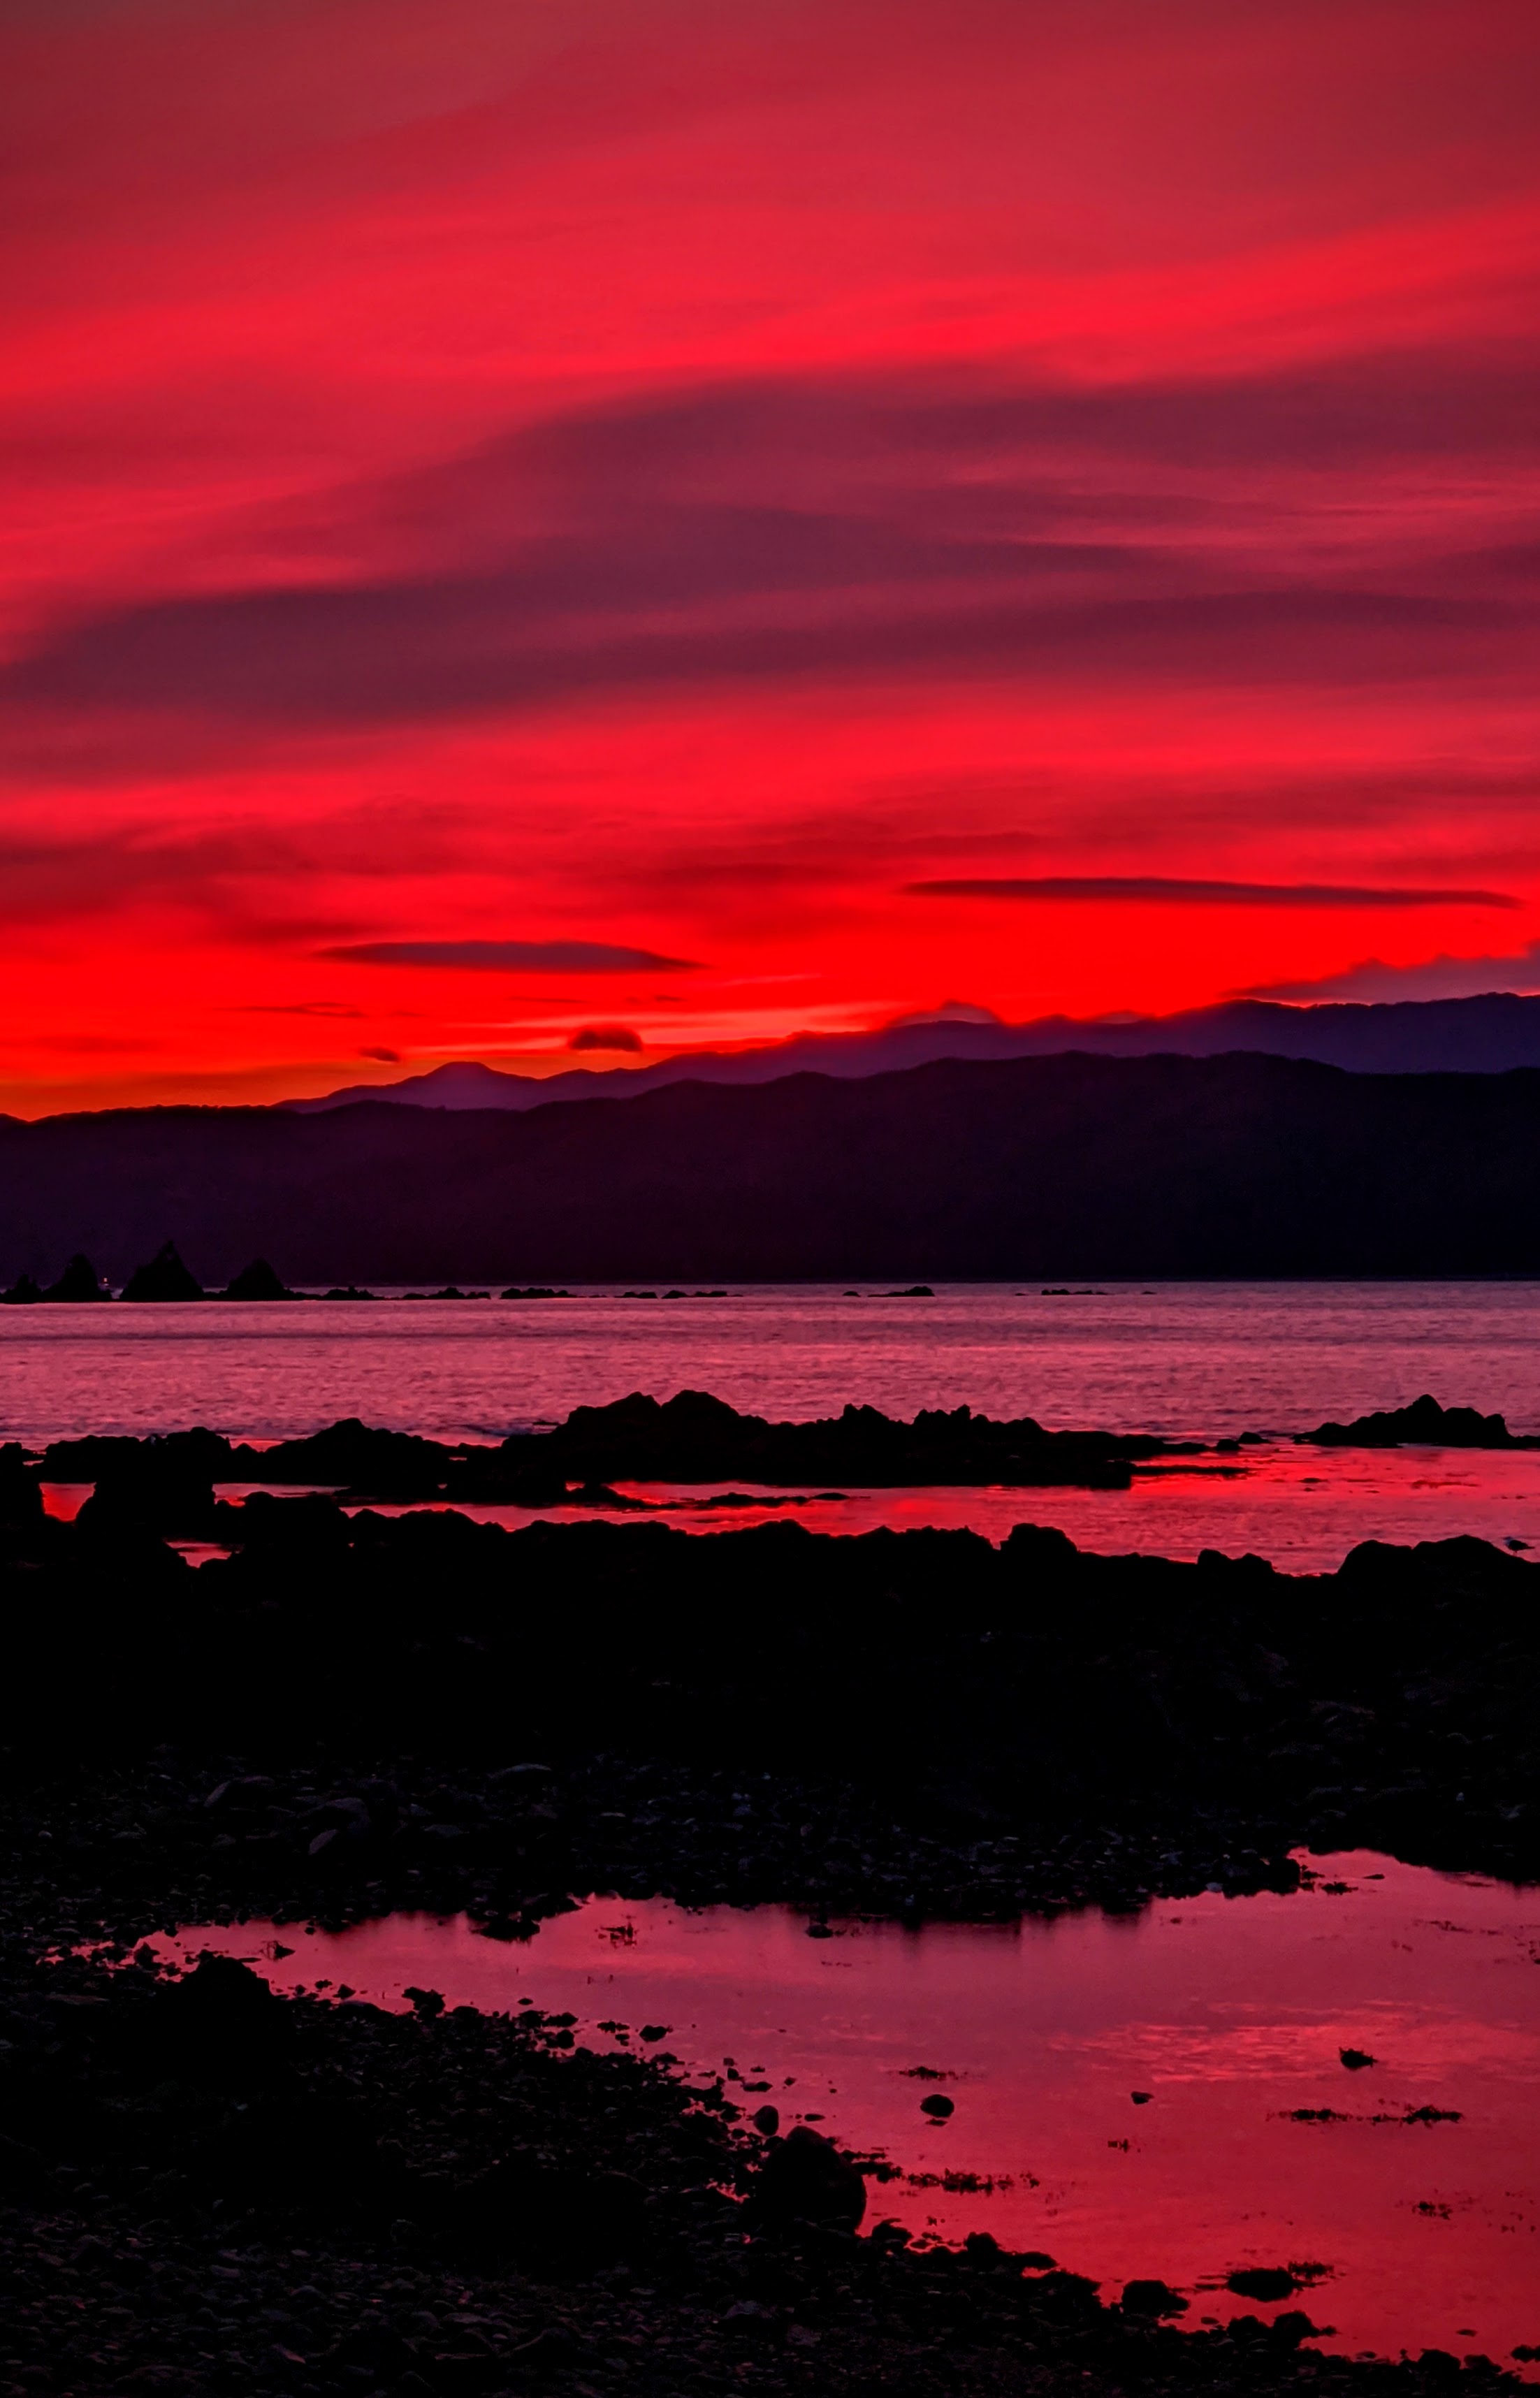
(363, 1711)
(204, 2189)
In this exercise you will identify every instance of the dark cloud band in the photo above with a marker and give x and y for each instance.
(817, 527)
(518, 957)
(1177, 890)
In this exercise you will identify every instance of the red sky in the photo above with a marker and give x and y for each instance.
(642, 486)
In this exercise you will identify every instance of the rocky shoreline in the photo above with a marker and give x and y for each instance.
(351, 1714)
(210, 2189)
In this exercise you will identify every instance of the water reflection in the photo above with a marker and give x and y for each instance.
(1161, 2095)
(1303, 1508)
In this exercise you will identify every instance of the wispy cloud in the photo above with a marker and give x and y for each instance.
(321, 1008)
(1173, 890)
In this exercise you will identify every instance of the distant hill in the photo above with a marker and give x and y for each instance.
(1489, 1035)
(1037, 1169)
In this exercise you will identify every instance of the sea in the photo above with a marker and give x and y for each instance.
(1195, 1360)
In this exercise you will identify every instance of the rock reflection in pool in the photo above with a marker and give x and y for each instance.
(1416, 2181)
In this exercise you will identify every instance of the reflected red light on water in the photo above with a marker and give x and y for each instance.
(1303, 1507)
(1247, 2145)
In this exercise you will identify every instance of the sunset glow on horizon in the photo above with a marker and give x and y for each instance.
(558, 536)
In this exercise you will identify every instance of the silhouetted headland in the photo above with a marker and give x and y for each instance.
(1038, 1169)
(1487, 1034)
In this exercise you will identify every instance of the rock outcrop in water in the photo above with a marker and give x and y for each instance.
(78, 1282)
(258, 1281)
(1423, 1422)
(690, 1438)
(164, 1277)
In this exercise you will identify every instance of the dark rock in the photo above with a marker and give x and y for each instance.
(354, 1456)
(221, 2021)
(1265, 2283)
(1289, 2329)
(766, 2119)
(806, 2178)
(1152, 2300)
(939, 2104)
(257, 1281)
(1356, 2059)
(196, 1455)
(155, 1495)
(21, 1493)
(1423, 1422)
(79, 1284)
(695, 1437)
(164, 1277)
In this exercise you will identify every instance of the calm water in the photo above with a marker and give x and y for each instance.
(1206, 1359)
(1229, 2013)
(1179, 1357)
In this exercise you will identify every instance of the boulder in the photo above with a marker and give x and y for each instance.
(1152, 2300)
(805, 2178)
(222, 2023)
